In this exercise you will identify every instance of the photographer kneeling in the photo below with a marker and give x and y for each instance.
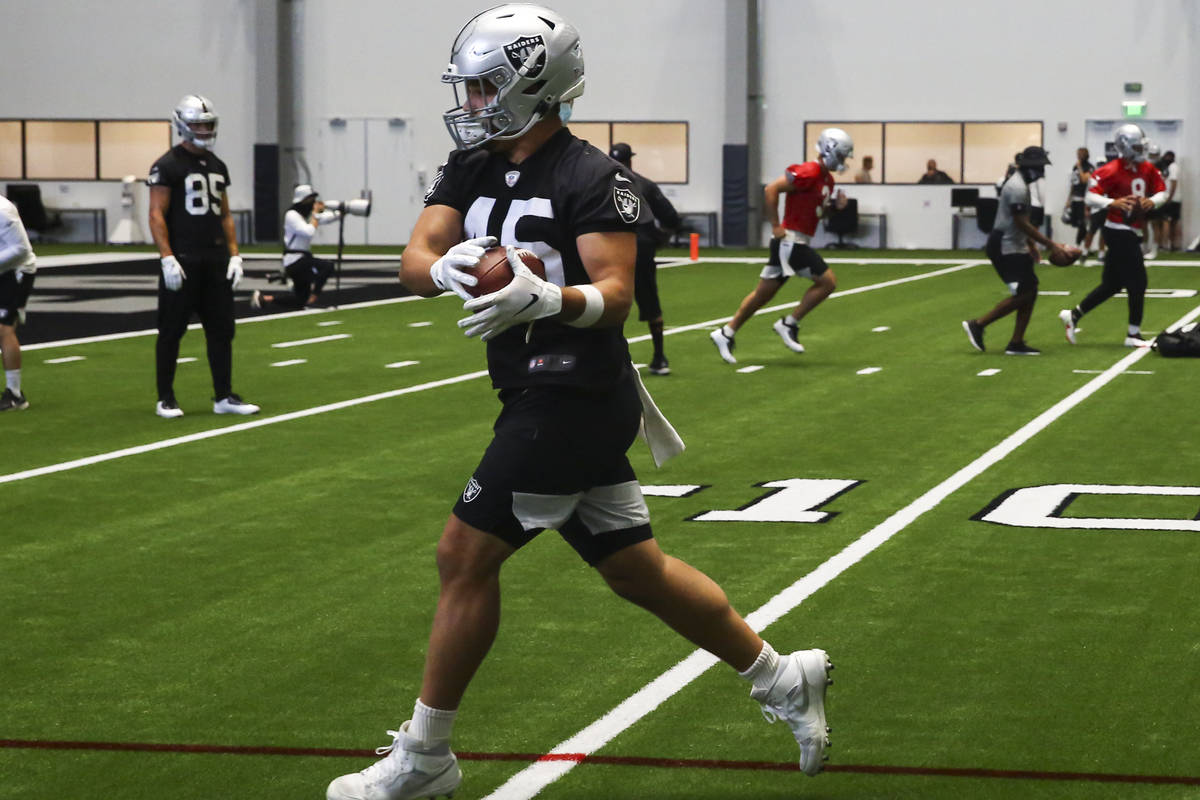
(306, 272)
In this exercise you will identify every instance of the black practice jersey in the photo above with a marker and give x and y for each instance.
(564, 190)
(197, 183)
(663, 212)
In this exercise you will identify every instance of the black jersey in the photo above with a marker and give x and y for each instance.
(565, 189)
(663, 212)
(1078, 184)
(197, 183)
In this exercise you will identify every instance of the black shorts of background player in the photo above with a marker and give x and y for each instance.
(194, 231)
(1012, 251)
(572, 401)
(18, 266)
(645, 282)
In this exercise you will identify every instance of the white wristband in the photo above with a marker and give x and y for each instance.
(593, 309)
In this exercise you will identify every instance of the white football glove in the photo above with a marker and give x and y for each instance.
(173, 274)
(234, 272)
(526, 298)
(447, 271)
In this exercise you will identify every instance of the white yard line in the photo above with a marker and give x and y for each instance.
(530, 781)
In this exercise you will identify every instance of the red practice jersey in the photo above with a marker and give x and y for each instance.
(811, 190)
(1116, 180)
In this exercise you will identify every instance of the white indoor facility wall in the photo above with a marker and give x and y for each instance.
(1048, 60)
(380, 58)
(126, 59)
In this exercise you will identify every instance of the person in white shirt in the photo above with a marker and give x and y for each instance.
(17, 268)
(306, 272)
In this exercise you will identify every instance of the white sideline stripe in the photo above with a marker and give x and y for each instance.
(398, 364)
(881, 329)
(291, 362)
(329, 322)
(959, 266)
(749, 369)
(987, 373)
(531, 780)
(185, 360)
(869, 370)
(1127, 372)
(419, 324)
(64, 359)
(315, 340)
(242, 426)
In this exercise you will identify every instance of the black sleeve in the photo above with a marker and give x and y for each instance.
(446, 188)
(163, 172)
(664, 212)
(604, 200)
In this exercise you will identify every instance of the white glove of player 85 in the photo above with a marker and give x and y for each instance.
(447, 272)
(173, 274)
(233, 273)
(526, 298)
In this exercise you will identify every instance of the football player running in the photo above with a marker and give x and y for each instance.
(1128, 187)
(1011, 249)
(197, 244)
(571, 400)
(808, 189)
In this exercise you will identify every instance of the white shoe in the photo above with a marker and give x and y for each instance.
(1068, 320)
(404, 773)
(256, 299)
(1151, 254)
(168, 410)
(798, 697)
(790, 335)
(233, 404)
(724, 345)
(1136, 341)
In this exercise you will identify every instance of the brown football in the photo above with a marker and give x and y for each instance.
(1072, 253)
(494, 273)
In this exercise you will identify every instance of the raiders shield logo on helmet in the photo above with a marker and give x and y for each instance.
(519, 51)
(629, 205)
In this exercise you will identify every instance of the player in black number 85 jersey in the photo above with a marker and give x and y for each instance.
(572, 403)
(194, 232)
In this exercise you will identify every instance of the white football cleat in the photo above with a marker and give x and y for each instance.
(233, 404)
(404, 773)
(168, 409)
(1136, 341)
(790, 335)
(724, 345)
(1068, 319)
(797, 696)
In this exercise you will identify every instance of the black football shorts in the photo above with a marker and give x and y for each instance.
(557, 460)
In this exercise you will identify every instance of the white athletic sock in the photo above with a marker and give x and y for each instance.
(431, 726)
(12, 378)
(728, 331)
(1135, 330)
(790, 320)
(762, 672)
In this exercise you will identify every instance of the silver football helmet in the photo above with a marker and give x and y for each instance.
(834, 146)
(196, 110)
(514, 63)
(1130, 142)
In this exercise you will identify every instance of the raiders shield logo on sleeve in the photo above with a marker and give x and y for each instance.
(629, 205)
(519, 51)
(433, 184)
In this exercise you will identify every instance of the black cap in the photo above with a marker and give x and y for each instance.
(621, 152)
(1033, 156)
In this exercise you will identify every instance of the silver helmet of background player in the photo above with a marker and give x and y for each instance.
(523, 60)
(1130, 142)
(194, 110)
(834, 146)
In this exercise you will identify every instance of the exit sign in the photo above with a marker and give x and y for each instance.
(1134, 108)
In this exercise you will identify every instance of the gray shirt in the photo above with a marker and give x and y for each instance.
(1014, 200)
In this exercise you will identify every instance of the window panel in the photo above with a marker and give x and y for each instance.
(989, 147)
(911, 144)
(129, 148)
(60, 150)
(595, 133)
(10, 149)
(660, 148)
(867, 138)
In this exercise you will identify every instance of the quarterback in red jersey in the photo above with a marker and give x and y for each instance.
(807, 188)
(1128, 187)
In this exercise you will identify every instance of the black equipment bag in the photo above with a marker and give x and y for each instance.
(1175, 344)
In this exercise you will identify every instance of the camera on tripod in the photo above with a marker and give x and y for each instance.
(358, 207)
